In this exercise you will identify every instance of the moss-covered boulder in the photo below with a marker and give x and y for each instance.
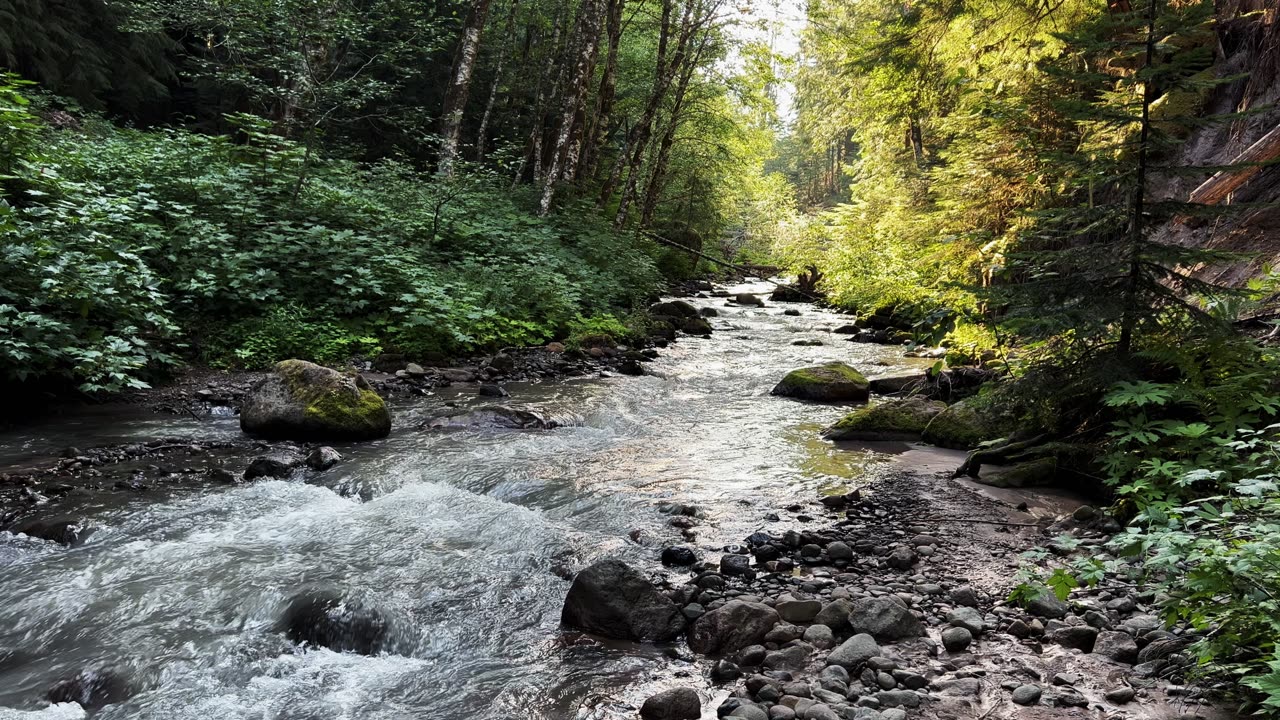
(832, 382)
(1031, 473)
(695, 326)
(674, 308)
(304, 401)
(961, 426)
(892, 420)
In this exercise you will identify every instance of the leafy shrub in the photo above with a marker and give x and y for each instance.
(1197, 464)
(287, 331)
(120, 245)
(598, 330)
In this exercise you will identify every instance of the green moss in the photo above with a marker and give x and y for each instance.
(591, 340)
(962, 426)
(894, 420)
(831, 382)
(330, 405)
(335, 408)
(1033, 473)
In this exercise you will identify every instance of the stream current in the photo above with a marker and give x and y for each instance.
(464, 537)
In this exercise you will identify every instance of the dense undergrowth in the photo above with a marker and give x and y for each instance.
(124, 251)
(1012, 175)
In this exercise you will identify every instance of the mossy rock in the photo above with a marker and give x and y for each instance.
(695, 326)
(674, 308)
(1041, 472)
(662, 328)
(587, 341)
(961, 426)
(892, 420)
(832, 382)
(304, 401)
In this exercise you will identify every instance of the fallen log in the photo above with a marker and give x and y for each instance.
(1253, 159)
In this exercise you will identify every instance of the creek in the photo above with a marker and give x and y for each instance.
(465, 537)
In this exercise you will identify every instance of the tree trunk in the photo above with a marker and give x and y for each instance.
(1131, 311)
(651, 107)
(533, 148)
(564, 154)
(455, 99)
(644, 129)
(482, 135)
(608, 91)
(657, 178)
(1222, 184)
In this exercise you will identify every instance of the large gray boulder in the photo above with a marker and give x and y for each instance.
(613, 599)
(884, 618)
(731, 627)
(304, 401)
(674, 308)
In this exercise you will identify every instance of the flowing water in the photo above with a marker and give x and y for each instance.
(462, 537)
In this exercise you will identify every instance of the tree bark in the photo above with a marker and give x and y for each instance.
(605, 97)
(1222, 184)
(482, 135)
(651, 107)
(1130, 311)
(564, 154)
(455, 99)
(657, 178)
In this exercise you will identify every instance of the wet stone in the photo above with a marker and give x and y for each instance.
(1027, 694)
(956, 639)
(1120, 695)
(799, 611)
(679, 556)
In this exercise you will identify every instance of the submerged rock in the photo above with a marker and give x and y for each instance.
(832, 382)
(304, 401)
(613, 599)
(892, 420)
(279, 463)
(961, 427)
(92, 689)
(492, 417)
(62, 529)
(324, 618)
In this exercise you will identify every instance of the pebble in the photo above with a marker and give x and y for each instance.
(1120, 695)
(956, 639)
(1027, 694)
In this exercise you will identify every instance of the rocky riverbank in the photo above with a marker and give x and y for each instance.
(892, 602)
